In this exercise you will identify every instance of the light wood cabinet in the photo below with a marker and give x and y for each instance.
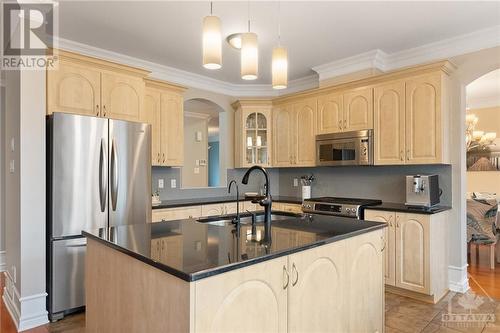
(424, 133)
(252, 299)
(365, 295)
(164, 110)
(411, 240)
(318, 277)
(294, 134)
(121, 96)
(74, 89)
(358, 109)
(291, 208)
(90, 86)
(390, 246)
(283, 132)
(330, 113)
(389, 123)
(253, 133)
(178, 213)
(409, 123)
(304, 153)
(220, 209)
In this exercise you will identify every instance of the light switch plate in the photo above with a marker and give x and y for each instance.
(12, 144)
(12, 168)
(173, 183)
(196, 171)
(160, 183)
(295, 182)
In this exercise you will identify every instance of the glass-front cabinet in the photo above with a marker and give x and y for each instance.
(252, 133)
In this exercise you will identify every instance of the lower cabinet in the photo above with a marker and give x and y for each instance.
(178, 213)
(411, 238)
(287, 207)
(336, 287)
(168, 250)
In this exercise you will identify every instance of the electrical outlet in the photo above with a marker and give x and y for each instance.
(295, 182)
(173, 183)
(160, 183)
(197, 246)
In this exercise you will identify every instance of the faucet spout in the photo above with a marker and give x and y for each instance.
(237, 219)
(266, 202)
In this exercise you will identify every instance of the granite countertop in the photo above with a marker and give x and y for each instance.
(215, 200)
(401, 207)
(209, 249)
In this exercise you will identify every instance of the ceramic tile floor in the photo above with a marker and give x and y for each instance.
(455, 313)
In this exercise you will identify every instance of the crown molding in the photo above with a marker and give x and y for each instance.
(379, 60)
(197, 115)
(185, 78)
(372, 59)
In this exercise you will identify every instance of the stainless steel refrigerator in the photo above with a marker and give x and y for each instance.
(98, 175)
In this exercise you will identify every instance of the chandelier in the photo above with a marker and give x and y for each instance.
(477, 139)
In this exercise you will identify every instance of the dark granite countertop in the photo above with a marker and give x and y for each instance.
(401, 207)
(208, 249)
(216, 200)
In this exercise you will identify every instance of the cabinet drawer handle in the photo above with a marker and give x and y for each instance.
(345, 123)
(104, 110)
(390, 221)
(383, 244)
(340, 124)
(163, 157)
(397, 221)
(408, 154)
(286, 278)
(97, 110)
(159, 158)
(402, 155)
(297, 275)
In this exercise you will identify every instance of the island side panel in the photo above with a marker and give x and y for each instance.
(124, 294)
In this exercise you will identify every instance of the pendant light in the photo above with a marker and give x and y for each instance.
(249, 53)
(279, 61)
(212, 45)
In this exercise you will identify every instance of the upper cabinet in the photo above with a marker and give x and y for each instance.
(358, 110)
(409, 126)
(253, 130)
(121, 96)
(294, 133)
(163, 109)
(330, 113)
(90, 86)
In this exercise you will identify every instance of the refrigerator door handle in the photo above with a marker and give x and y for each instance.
(114, 175)
(103, 183)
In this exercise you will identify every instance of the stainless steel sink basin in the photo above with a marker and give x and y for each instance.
(245, 218)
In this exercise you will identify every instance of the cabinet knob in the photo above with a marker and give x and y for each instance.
(97, 110)
(345, 123)
(163, 157)
(104, 110)
(408, 154)
(340, 124)
(401, 155)
(158, 157)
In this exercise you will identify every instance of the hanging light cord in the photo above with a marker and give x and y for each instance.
(248, 13)
(211, 8)
(279, 23)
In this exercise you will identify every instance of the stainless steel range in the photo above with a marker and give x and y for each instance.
(345, 207)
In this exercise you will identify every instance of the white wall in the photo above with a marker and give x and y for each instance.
(2, 172)
(195, 150)
(25, 295)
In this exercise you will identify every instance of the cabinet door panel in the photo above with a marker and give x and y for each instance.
(423, 119)
(358, 110)
(245, 300)
(390, 242)
(171, 214)
(212, 210)
(171, 251)
(283, 238)
(330, 113)
(365, 291)
(317, 278)
(389, 123)
(74, 89)
(172, 130)
(151, 115)
(282, 136)
(122, 96)
(412, 255)
(305, 133)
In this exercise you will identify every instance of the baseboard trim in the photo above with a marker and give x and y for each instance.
(26, 312)
(3, 265)
(458, 280)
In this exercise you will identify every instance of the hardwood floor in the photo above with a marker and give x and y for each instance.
(482, 279)
(455, 313)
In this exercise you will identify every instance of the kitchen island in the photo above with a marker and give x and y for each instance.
(317, 273)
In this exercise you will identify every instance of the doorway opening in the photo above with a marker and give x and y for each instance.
(483, 183)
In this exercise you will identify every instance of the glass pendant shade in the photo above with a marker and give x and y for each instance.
(280, 68)
(249, 56)
(212, 44)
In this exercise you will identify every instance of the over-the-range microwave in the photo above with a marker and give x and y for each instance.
(346, 148)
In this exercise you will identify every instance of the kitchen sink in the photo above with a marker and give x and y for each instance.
(245, 218)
